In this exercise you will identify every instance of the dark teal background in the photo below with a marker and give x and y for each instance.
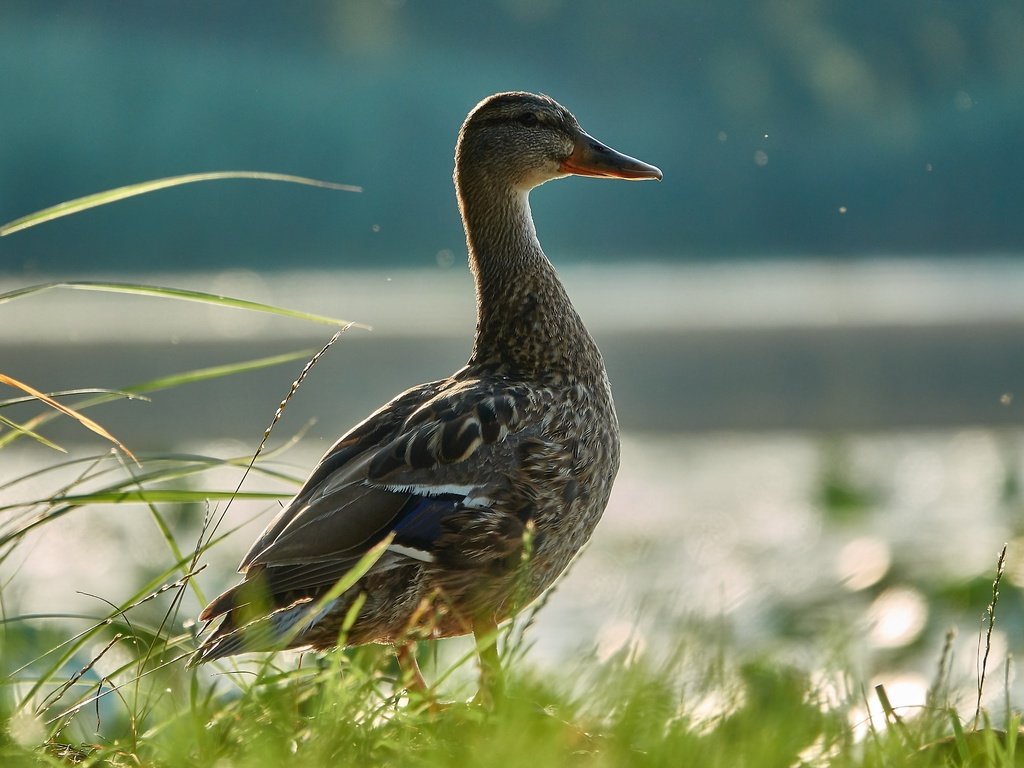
(910, 115)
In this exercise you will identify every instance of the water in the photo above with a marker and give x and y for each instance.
(875, 345)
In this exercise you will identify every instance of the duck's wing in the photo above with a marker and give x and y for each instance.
(441, 448)
(333, 493)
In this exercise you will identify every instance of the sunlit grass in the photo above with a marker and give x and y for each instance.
(697, 706)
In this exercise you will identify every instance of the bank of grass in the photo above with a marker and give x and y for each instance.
(695, 707)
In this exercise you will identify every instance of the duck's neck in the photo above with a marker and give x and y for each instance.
(525, 321)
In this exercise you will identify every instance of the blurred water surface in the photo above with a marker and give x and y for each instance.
(873, 345)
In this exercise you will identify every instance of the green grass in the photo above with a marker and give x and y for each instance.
(344, 708)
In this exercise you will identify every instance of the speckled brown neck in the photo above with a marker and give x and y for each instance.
(525, 321)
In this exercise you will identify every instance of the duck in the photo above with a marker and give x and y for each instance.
(476, 490)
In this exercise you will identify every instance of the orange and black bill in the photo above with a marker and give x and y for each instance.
(592, 158)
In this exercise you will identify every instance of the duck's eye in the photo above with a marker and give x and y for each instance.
(529, 119)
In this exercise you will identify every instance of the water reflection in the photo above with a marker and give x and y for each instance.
(863, 562)
(897, 617)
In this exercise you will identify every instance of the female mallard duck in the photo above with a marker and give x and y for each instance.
(489, 481)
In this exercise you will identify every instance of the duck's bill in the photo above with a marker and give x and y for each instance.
(592, 158)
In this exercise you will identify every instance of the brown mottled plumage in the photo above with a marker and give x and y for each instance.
(490, 480)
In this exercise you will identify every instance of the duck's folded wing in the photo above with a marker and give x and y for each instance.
(340, 469)
(444, 455)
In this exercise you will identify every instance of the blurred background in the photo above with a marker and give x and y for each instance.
(813, 325)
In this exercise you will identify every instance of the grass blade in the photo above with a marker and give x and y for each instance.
(146, 496)
(85, 421)
(29, 433)
(114, 393)
(164, 382)
(217, 372)
(180, 294)
(167, 495)
(163, 467)
(132, 190)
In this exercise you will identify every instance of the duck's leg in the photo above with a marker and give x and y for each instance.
(485, 632)
(412, 678)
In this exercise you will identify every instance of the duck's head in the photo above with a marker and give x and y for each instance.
(519, 140)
